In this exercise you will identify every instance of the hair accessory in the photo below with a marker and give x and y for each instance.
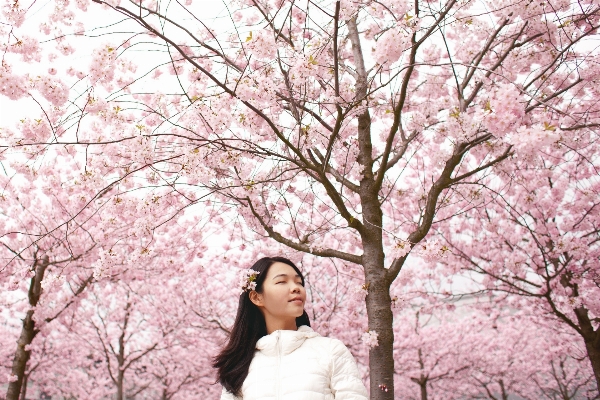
(247, 280)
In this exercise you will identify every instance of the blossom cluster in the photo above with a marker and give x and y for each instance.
(247, 280)
(401, 249)
(369, 338)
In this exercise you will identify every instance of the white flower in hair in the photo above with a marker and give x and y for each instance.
(247, 280)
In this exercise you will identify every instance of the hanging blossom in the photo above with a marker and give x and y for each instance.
(51, 281)
(247, 280)
(370, 339)
(432, 250)
(401, 249)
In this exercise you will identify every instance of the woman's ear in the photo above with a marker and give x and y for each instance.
(256, 298)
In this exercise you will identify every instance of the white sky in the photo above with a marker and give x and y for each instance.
(12, 111)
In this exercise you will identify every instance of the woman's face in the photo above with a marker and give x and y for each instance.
(283, 295)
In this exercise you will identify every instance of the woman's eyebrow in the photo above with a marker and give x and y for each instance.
(285, 275)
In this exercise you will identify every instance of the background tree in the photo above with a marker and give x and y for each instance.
(42, 273)
(53, 250)
(422, 364)
(538, 237)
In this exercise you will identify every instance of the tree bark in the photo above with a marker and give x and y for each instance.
(591, 338)
(423, 379)
(503, 389)
(24, 387)
(380, 317)
(593, 350)
(28, 332)
(422, 382)
(121, 355)
(423, 386)
(378, 301)
(120, 385)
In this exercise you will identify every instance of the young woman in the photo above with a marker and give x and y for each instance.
(273, 353)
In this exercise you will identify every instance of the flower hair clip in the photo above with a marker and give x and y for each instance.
(247, 280)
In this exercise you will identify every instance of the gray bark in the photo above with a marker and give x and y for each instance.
(28, 332)
(423, 387)
(121, 356)
(24, 387)
(591, 338)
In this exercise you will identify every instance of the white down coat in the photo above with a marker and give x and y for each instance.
(301, 365)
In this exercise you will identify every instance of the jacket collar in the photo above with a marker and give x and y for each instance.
(284, 342)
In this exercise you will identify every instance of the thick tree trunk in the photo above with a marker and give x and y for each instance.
(378, 301)
(381, 361)
(591, 338)
(379, 310)
(594, 355)
(28, 332)
(592, 345)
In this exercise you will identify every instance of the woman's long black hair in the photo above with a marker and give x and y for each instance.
(234, 360)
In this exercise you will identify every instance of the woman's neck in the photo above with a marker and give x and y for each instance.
(280, 325)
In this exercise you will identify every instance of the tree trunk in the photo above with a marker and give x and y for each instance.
(594, 356)
(121, 355)
(24, 387)
(422, 382)
(381, 361)
(423, 379)
(592, 345)
(591, 338)
(423, 386)
(28, 332)
(120, 385)
(503, 389)
(378, 301)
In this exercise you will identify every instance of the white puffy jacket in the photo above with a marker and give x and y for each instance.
(301, 365)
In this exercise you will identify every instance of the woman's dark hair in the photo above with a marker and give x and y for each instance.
(234, 360)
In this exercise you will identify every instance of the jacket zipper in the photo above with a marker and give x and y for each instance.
(278, 377)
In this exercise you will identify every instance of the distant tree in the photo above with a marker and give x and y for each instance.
(538, 236)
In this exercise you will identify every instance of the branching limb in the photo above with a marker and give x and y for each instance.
(299, 246)
(336, 174)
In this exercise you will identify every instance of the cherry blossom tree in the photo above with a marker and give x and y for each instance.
(477, 349)
(42, 275)
(142, 344)
(519, 357)
(53, 250)
(341, 129)
(119, 327)
(430, 353)
(537, 237)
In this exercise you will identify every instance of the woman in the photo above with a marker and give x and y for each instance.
(273, 353)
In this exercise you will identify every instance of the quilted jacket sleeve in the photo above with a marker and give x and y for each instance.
(345, 379)
(225, 395)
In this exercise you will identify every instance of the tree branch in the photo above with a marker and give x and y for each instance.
(302, 247)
